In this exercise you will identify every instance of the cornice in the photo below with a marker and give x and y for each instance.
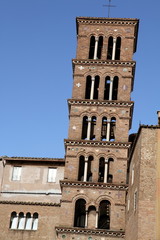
(30, 203)
(103, 62)
(103, 20)
(100, 103)
(97, 232)
(89, 143)
(109, 186)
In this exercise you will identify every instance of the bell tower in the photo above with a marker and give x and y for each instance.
(100, 116)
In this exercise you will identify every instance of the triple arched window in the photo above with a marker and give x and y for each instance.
(90, 218)
(20, 221)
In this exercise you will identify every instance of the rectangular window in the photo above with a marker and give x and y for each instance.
(16, 174)
(52, 174)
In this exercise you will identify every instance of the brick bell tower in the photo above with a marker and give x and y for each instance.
(100, 113)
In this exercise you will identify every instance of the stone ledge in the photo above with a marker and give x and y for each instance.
(30, 203)
(103, 62)
(107, 233)
(109, 186)
(92, 143)
(100, 103)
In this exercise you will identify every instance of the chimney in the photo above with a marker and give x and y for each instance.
(158, 112)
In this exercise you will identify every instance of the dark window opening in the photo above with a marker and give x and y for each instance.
(96, 87)
(115, 88)
(100, 46)
(109, 175)
(112, 129)
(92, 47)
(80, 213)
(89, 172)
(81, 168)
(101, 169)
(118, 48)
(84, 127)
(88, 87)
(110, 48)
(93, 126)
(106, 88)
(104, 215)
(104, 129)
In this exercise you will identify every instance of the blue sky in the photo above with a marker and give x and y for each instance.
(37, 43)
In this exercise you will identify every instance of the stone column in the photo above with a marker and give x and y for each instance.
(114, 48)
(111, 89)
(105, 170)
(108, 129)
(92, 87)
(89, 128)
(86, 219)
(96, 48)
(96, 224)
(85, 169)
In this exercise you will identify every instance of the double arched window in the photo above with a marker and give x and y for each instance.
(85, 168)
(108, 129)
(24, 222)
(96, 45)
(114, 48)
(88, 128)
(111, 88)
(104, 170)
(92, 87)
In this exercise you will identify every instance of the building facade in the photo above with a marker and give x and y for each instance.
(87, 195)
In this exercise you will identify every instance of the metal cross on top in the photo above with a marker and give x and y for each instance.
(109, 7)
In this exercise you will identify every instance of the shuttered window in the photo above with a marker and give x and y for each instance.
(52, 174)
(16, 174)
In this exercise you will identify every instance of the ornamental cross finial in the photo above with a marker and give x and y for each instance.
(109, 7)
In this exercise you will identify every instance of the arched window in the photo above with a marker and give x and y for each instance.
(104, 129)
(110, 48)
(96, 87)
(21, 221)
(28, 225)
(104, 215)
(106, 88)
(81, 168)
(92, 47)
(84, 127)
(101, 169)
(88, 87)
(35, 221)
(118, 48)
(93, 128)
(115, 88)
(80, 213)
(109, 174)
(89, 169)
(100, 46)
(112, 129)
(14, 220)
